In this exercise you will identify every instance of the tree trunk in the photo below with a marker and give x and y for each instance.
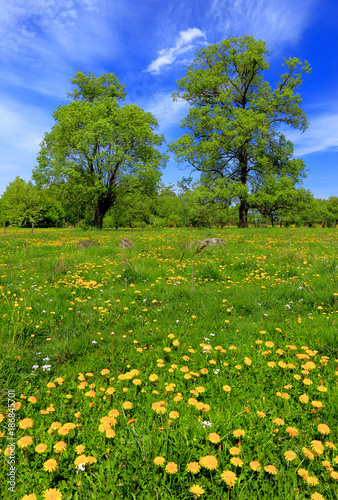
(103, 205)
(243, 214)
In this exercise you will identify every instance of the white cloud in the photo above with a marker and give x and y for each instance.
(168, 113)
(321, 136)
(273, 21)
(187, 41)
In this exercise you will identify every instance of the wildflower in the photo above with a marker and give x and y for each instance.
(312, 480)
(91, 460)
(26, 423)
(317, 447)
(24, 442)
(41, 448)
(290, 455)
(261, 414)
(81, 459)
(271, 469)
(59, 447)
(234, 450)
(80, 448)
(317, 404)
(238, 433)
(303, 473)
(214, 437)
(307, 381)
(308, 453)
(50, 465)
(304, 398)
(174, 414)
(317, 496)
(153, 377)
(127, 405)
(229, 477)
(32, 399)
(196, 490)
(114, 413)
(52, 494)
(334, 475)
(255, 465)
(29, 497)
(110, 391)
(159, 461)
(193, 467)
(278, 421)
(209, 462)
(171, 468)
(236, 461)
(330, 445)
(322, 388)
(206, 423)
(323, 429)
(226, 388)
(292, 431)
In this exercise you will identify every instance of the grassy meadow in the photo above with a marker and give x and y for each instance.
(164, 372)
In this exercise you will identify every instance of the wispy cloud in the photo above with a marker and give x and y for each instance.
(275, 22)
(187, 41)
(321, 136)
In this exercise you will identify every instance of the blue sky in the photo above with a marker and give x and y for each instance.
(148, 44)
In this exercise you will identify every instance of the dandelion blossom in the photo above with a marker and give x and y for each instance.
(209, 462)
(26, 423)
(234, 450)
(193, 467)
(80, 448)
(323, 429)
(334, 475)
(271, 469)
(290, 455)
(308, 453)
(238, 433)
(312, 480)
(226, 388)
(159, 461)
(50, 465)
(41, 448)
(29, 497)
(317, 447)
(303, 473)
(255, 465)
(261, 414)
(304, 398)
(278, 421)
(171, 468)
(214, 437)
(317, 496)
(236, 461)
(229, 477)
(292, 431)
(52, 494)
(24, 442)
(196, 490)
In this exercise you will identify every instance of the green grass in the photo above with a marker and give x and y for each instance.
(266, 305)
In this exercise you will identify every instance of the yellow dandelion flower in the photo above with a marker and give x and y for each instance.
(110, 390)
(278, 421)
(171, 468)
(52, 494)
(91, 460)
(307, 381)
(24, 442)
(127, 405)
(322, 388)
(105, 371)
(229, 477)
(50, 465)
(323, 429)
(312, 480)
(334, 475)
(81, 459)
(209, 462)
(69, 425)
(330, 445)
(137, 381)
(234, 450)
(247, 361)
(303, 473)
(41, 448)
(174, 415)
(271, 364)
(261, 414)
(317, 447)
(114, 413)
(308, 453)
(196, 490)
(80, 448)
(90, 394)
(26, 423)
(317, 496)
(159, 461)
(290, 455)
(255, 465)
(32, 399)
(153, 377)
(292, 431)
(238, 433)
(29, 497)
(226, 388)
(236, 461)
(63, 431)
(214, 437)
(271, 469)
(317, 404)
(59, 447)
(193, 467)
(304, 398)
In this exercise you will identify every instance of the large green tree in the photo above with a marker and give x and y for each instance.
(232, 128)
(96, 143)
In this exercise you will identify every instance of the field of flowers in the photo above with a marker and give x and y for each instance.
(165, 372)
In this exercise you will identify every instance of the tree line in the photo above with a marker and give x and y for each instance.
(101, 163)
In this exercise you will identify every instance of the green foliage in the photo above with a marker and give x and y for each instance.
(96, 145)
(234, 115)
(21, 204)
